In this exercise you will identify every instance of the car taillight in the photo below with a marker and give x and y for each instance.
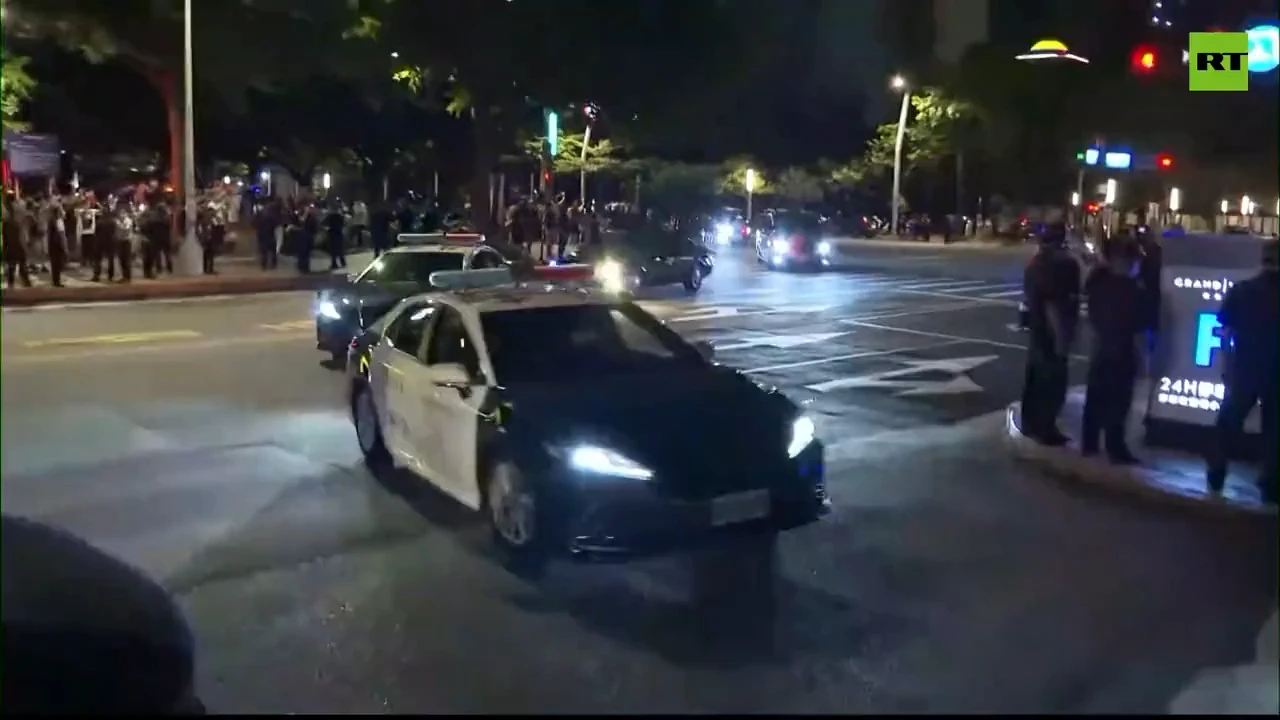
(745, 230)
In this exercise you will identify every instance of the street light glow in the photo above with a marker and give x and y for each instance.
(750, 180)
(1050, 49)
(1111, 192)
(1175, 200)
(1224, 206)
(1246, 206)
(898, 82)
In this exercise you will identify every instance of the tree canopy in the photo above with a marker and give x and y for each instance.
(16, 87)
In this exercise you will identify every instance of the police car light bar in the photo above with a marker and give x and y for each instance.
(470, 279)
(564, 273)
(441, 238)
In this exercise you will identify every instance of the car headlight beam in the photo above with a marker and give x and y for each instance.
(326, 309)
(600, 461)
(803, 433)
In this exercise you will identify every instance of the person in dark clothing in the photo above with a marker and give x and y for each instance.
(104, 245)
(56, 235)
(265, 223)
(406, 219)
(380, 228)
(15, 249)
(1116, 314)
(1151, 263)
(215, 235)
(1250, 316)
(1052, 283)
(335, 238)
(164, 246)
(310, 222)
(154, 226)
(124, 242)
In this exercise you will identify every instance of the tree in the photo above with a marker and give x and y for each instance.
(237, 44)
(476, 54)
(681, 188)
(799, 186)
(931, 134)
(601, 155)
(734, 176)
(16, 87)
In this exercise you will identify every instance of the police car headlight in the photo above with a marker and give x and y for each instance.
(599, 461)
(611, 276)
(803, 433)
(824, 248)
(326, 309)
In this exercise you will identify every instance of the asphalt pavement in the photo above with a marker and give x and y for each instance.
(204, 441)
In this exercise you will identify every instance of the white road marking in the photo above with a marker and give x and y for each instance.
(839, 358)
(1004, 294)
(780, 342)
(947, 336)
(897, 379)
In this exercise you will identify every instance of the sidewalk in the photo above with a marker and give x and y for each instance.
(236, 275)
(1167, 475)
(934, 243)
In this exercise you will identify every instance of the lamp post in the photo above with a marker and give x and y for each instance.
(591, 111)
(899, 84)
(749, 182)
(189, 261)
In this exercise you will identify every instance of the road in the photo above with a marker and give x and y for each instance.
(203, 441)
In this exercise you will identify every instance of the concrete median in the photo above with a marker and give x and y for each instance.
(163, 289)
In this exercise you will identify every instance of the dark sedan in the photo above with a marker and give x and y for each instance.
(793, 240)
(343, 312)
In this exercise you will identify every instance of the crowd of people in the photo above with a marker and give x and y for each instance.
(1124, 316)
(109, 233)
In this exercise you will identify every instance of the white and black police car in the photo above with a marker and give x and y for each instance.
(577, 423)
(344, 311)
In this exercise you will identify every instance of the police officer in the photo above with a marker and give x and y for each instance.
(1052, 286)
(1250, 317)
(1116, 314)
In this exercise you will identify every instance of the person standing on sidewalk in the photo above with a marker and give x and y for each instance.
(1250, 317)
(264, 224)
(359, 222)
(104, 244)
(215, 234)
(14, 249)
(57, 241)
(335, 237)
(1052, 282)
(310, 223)
(380, 228)
(124, 241)
(1116, 314)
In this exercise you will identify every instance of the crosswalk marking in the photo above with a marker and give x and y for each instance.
(1004, 294)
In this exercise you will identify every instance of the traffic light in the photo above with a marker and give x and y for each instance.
(1144, 59)
(1164, 161)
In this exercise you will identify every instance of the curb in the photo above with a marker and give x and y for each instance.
(32, 297)
(970, 245)
(1069, 463)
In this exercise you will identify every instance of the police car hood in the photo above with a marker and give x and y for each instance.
(377, 294)
(706, 430)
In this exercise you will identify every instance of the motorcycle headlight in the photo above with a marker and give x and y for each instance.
(803, 434)
(326, 309)
(600, 461)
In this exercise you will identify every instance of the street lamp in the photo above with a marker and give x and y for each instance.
(749, 182)
(326, 182)
(1224, 206)
(1110, 197)
(592, 112)
(899, 84)
(1175, 200)
(1246, 206)
(189, 256)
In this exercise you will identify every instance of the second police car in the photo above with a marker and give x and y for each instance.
(343, 312)
(577, 423)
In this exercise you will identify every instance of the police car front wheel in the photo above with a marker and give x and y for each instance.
(368, 432)
(514, 516)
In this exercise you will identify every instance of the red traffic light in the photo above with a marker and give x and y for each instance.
(1145, 59)
(1164, 161)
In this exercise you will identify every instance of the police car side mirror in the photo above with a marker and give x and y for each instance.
(705, 349)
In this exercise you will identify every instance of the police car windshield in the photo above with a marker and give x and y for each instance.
(577, 341)
(414, 267)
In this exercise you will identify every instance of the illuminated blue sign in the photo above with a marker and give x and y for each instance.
(1091, 156)
(1208, 338)
(1117, 160)
(1264, 48)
